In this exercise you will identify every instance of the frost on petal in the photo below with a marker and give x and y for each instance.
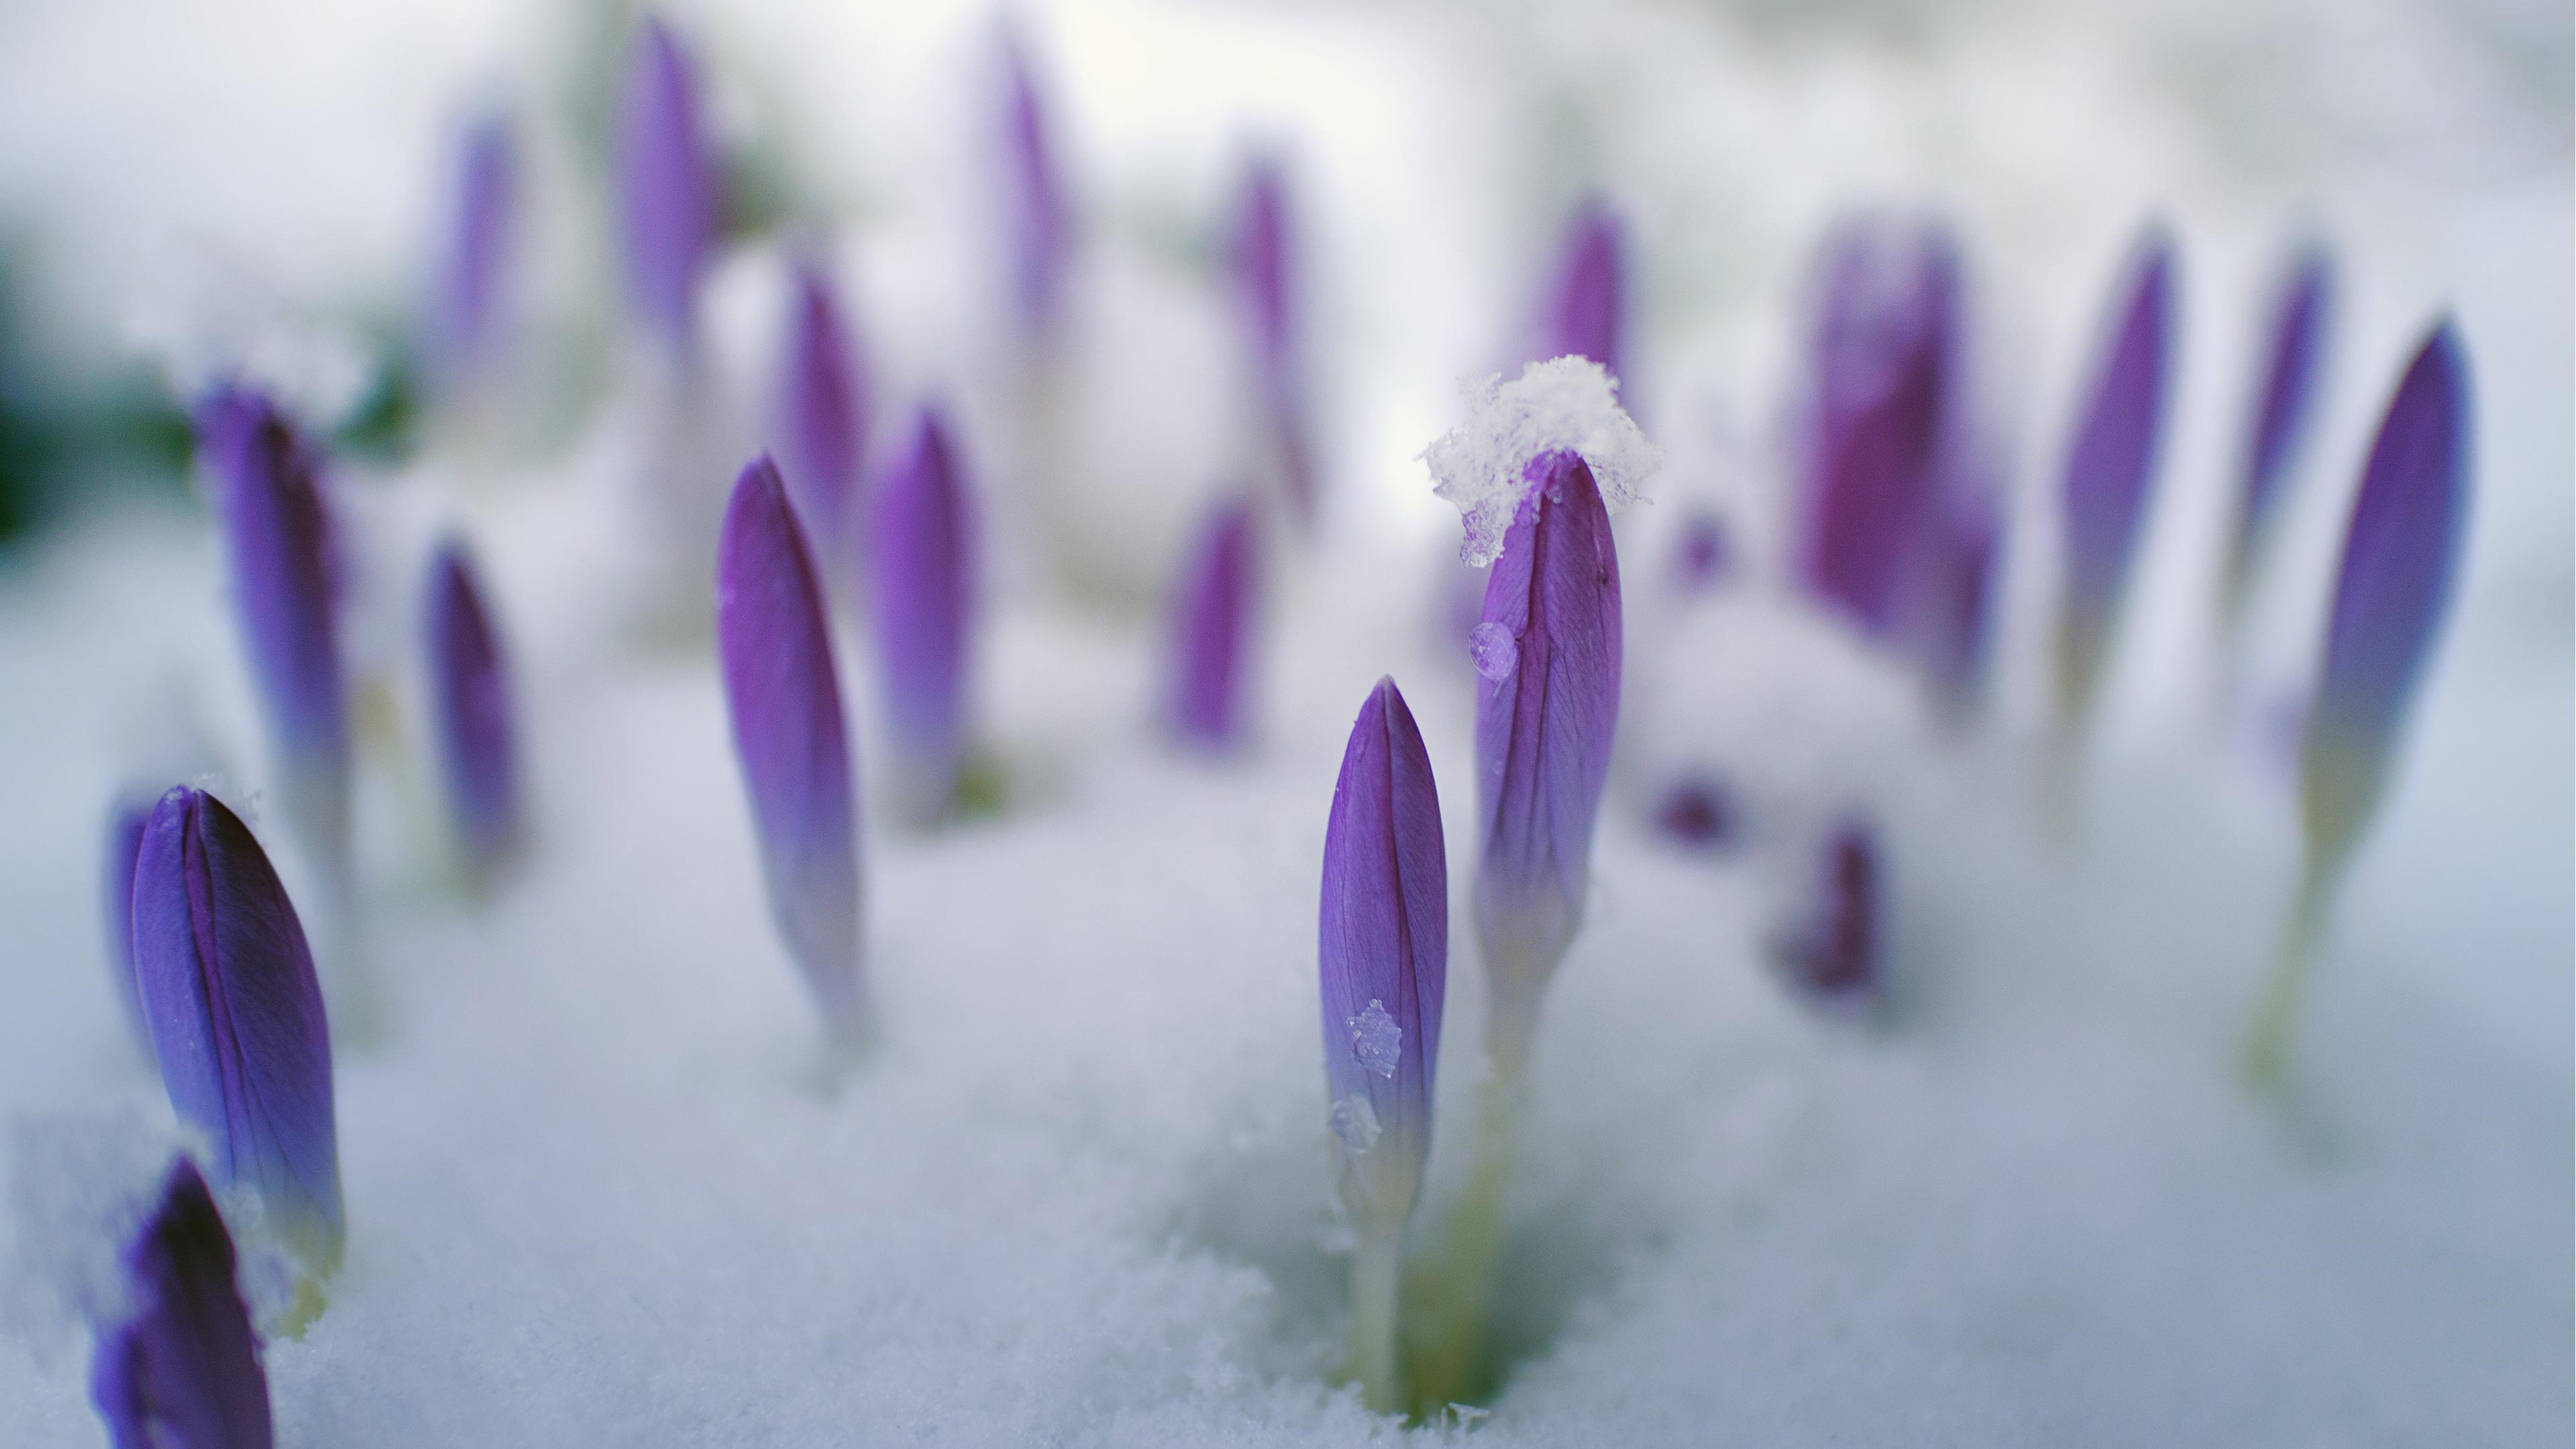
(181, 1367)
(236, 1015)
(1355, 1122)
(1377, 1043)
(1564, 405)
(2400, 561)
(1495, 652)
(784, 697)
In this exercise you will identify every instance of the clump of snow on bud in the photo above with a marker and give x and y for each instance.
(1377, 1043)
(1495, 651)
(1567, 404)
(1355, 1122)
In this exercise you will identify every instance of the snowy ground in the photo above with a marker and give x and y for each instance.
(597, 1196)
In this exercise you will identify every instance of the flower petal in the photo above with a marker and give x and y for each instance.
(469, 685)
(924, 544)
(2109, 466)
(182, 1368)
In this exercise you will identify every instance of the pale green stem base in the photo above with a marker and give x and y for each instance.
(1451, 1361)
(2276, 1016)
(1376, 1275)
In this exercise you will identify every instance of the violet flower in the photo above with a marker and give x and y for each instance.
(1587, 308)
(277, 541)
(1697, 813)
(2400, 558)
(2293, 361)
(822, 423)
(1958, 616)
(124, 839)
(1383, 959)
(180, 1367)
(1543, 732)
(227, 986)
(465, 315)
(2109, 465)
(1886, 362)
(470, 705)
(924, 578)
(1041, 222)
(1831, 955)
(1211, 629)
(1703, 556)
(667, 185)
(785, 699)
(1266, 281)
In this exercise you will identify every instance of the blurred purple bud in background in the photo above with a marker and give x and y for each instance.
(1587, 307)
(2294, 359)
(1211, 629)
(237, 1022)
(1697, 813)
(1703, 555)
(1041, 222)
(466, 322)
(775, 643)
(1830, 954)
(667, 185)
(2110, 465)
(923, 541)
(470, 706)
(1266, 280)
(822, 422)
(179, 1367)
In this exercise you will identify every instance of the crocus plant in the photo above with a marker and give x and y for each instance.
(923, 581)
(2400, 555)
(822, 424)
(177, 1366)
(471, 715)
(1211, 629)
(1266, 284)
(2293, 362)
(466, 323)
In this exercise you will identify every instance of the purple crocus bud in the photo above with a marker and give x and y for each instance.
(236, 1016)
(1703, 556)
(124, 839)
(2399, 558)
(469, 687)
(785, 698)
(1885, 351)
(1041, 222)
(465, 315)
(924, 577)
(666, 185)
(1545, 716)
(2108, 468)
(822, 419)
(1384, 958)
(1265, 278)
(181, 1366)
(1697, 813)
(277, 541)
(1959, 617)
(1587, 307)
(2292, 363)
(1212, 616)
(1831, 956)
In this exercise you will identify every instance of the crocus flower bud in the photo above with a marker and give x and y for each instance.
(1703, 556)
(124, 840)
(1587, 309)
(785, 699)
(465, 315)
(924, 578)
(236, 1016)
(667, 185)
(2399, 558)
(2108, 468)
(1958, 623)
(1544, 725)
(1212, 619)
(180, 1364)
(1830, 955)
(822, 424)
(1885, 360)
(2293, 361)
(1697, 813)
(277, 541)
(469, 687)
(1266, 281)
(1041, 222)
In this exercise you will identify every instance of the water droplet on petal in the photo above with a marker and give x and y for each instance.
(1355, 1122)
(1495, 651)
(1376, 1041)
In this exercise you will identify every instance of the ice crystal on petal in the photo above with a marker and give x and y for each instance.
(1354, 1121)
(1495, 651)
(1377, 1043)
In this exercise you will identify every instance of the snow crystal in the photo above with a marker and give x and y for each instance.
(1495, 651)
(1566, 404)
(1354, 1121)
(1376, 1041)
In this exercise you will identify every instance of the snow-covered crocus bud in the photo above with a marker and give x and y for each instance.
(667, 186)
(465, 315)
(179, 1365)
(1041, 222)
(2399, 557)
(1211, 629)
(1885, 363)
(785, 699)
(277, 542)
(2109, 465)
(1830, 952)
(1587, 308)
(470, 707)
(923, 541)
(236, 1017)
(822, 421)
(2293, 360)
(1383, 959)
(124, 839)
(1266, 281)
(1546, 711)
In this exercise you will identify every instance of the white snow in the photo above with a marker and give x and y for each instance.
(1565, 404)
(1377, 1043)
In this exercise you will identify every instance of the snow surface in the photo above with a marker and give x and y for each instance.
(600, 1191)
